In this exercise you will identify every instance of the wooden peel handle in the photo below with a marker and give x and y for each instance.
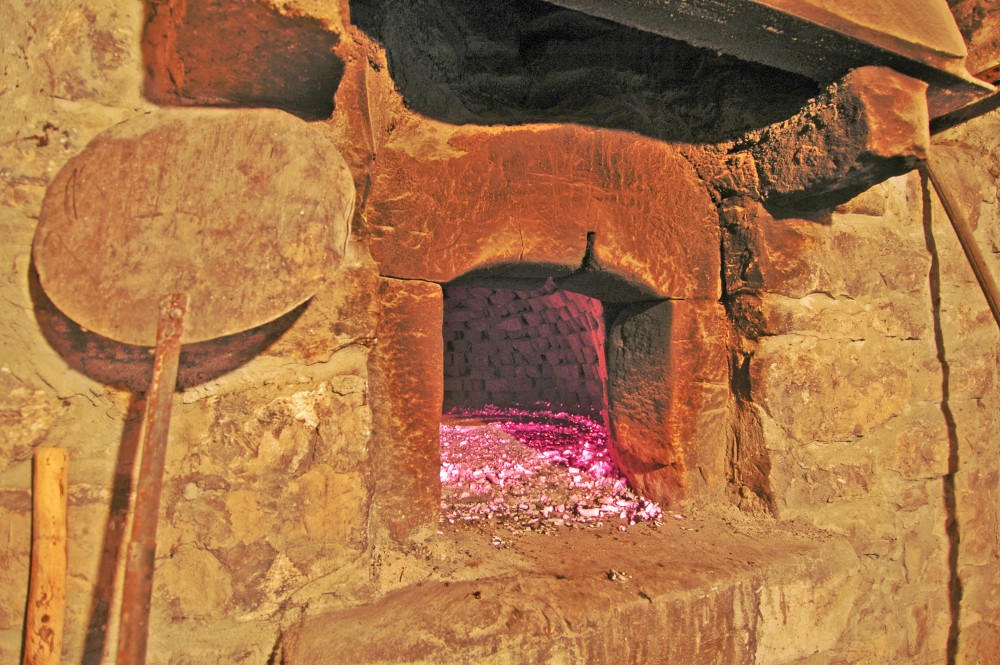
(47, 588)
(967, 239)
(137, 591)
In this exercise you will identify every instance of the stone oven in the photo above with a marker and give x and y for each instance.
(711, 228)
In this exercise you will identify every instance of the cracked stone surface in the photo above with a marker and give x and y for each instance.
(856, 395)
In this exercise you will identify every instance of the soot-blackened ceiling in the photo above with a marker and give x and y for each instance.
(516, 61)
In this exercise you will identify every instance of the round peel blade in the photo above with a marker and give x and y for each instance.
(246, 211)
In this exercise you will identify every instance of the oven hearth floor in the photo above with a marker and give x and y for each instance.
(715, 587)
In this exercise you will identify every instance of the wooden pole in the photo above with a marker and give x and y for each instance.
(47, 587)
(968, 242)
(133, 631)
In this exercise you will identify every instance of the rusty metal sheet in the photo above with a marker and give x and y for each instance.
(246, 211)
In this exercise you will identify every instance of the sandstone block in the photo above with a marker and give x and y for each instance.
(15, 519)
(978, 501)
(272, 473)
(830, 390)
(663, 360)
(343, 312)
(195, 580)
(979, 642)
(921, 444)
(26, 416)
(869, 126)
(239, 52)
(801, 257)
(715, 607)
(477, 198)
(407, 393)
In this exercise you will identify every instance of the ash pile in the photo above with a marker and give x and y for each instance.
(533, 470)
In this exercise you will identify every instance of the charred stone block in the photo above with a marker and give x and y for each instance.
(871, 125)
(239, 53)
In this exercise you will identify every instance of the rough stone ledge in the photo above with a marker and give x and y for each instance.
(698, 590)
(869, 126)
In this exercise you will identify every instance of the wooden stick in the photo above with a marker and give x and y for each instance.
(133, 630)
(968, 242)
(47, 588)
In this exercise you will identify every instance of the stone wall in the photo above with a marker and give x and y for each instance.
(269, 483)
(68, 73)
(968, 351)
(845, 382)
(858, 393)
(510, 348)
(876, 389)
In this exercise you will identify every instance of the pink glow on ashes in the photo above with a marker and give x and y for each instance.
(533, 470)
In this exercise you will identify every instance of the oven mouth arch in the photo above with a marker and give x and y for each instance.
(643, 401)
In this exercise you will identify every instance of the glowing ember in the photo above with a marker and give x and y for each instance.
(533, 470)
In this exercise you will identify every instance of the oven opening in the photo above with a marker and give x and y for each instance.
(524, 433)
